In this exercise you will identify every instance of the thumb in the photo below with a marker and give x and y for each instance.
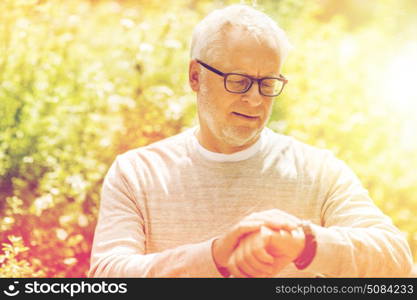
(266, 235)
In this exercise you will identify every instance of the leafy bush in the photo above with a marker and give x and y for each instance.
(14, 263)
(73, 96)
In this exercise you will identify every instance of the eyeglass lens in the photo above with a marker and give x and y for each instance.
(239, 84)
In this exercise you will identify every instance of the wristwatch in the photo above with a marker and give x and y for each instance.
(310, 247)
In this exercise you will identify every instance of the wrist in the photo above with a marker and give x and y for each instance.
(221, 267)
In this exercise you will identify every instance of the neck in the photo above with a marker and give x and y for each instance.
(209, 142)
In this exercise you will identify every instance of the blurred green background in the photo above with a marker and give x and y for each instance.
(82, 81)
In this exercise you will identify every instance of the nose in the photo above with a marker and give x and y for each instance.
(252, 96)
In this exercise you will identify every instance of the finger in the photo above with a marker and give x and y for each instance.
(279, 243)
(250, 248)
(284, 243)
(244, 257)
(263, 240)
(277, 224)
(240, 230)
(285, 234)
(258, 266)
(241, 261)
(246, 227)
(286, 238)
(297, 233)
(280, 237)
(233, 268)
(263, 256)
(298, 242)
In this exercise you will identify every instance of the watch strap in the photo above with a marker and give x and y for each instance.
(310, 247)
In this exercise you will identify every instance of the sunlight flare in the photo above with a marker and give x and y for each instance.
(399, 85)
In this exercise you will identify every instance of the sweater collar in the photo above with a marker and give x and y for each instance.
(233, 157)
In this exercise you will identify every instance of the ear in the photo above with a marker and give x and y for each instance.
(194, 75)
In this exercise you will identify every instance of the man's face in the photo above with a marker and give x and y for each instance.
(231, 122)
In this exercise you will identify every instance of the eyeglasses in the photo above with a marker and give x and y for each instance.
(241, 83)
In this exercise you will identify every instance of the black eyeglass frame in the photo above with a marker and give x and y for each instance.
(252, 79)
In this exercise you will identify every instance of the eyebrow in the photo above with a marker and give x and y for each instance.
(270, 74)
(237, 72)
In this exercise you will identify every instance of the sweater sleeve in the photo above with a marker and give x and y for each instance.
(119, 240)
(356, 239)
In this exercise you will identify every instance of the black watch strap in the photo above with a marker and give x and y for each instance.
(310, 247)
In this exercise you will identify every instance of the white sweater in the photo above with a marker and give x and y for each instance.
(162, 205)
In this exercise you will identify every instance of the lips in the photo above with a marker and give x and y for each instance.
(247, 116)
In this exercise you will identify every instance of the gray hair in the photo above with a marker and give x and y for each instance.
(208, 33)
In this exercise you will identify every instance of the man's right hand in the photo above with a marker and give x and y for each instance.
(248, 259)
(275, 219)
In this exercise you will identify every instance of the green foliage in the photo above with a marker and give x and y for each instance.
(80, 84)
(82, 81)
(331, 102)
(14, 262)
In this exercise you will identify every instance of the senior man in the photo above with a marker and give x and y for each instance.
(231, 197)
